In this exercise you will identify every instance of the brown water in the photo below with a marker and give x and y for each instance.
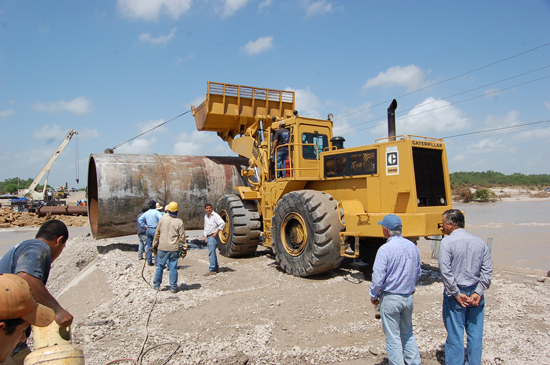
(520, 231)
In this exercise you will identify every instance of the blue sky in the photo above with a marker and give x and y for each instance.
(113, 69)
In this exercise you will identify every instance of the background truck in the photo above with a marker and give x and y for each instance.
(329, 205)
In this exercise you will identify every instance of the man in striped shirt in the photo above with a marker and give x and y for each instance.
(395, 273)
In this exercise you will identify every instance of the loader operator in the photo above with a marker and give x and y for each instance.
(31, 260)
(280, 139)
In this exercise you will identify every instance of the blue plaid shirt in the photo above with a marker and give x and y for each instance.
(396, 268)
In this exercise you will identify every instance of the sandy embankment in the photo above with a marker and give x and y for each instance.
(253, 313)
(518, 194)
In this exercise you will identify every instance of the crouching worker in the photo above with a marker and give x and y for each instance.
(18, 310)
(170, 234)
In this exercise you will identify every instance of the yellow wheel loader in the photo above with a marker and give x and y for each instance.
(329, 204)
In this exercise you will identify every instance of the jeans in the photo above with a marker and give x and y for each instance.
(282, 156)
(396, 314)
(150, 236)
(212, 243)
(164, 258)
(457, 319)
(142, 244)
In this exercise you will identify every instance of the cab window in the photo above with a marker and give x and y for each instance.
(310, 152)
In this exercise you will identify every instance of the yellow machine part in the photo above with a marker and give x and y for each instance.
(231, 109)
(53, 347)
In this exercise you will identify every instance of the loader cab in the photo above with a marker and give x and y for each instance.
(311, 138)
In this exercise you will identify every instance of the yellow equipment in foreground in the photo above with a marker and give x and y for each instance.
(332, 197)
(53, 347)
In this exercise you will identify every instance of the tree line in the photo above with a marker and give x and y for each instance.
(491, 178)
(459, 179)
(10, 186)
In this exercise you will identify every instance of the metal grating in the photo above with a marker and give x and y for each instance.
(428, 174)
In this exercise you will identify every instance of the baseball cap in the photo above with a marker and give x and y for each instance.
(391, 221)
(16, 301)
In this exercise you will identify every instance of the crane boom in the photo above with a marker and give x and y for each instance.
(50, 162)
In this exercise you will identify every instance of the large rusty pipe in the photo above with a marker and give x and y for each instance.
(119, 185)
(62, 210)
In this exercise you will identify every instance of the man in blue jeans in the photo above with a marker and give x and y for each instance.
(465, 264)
(280, 139)
(213, 225)
(395, 273)
(142, 233)
(169, 236)
(149, 220)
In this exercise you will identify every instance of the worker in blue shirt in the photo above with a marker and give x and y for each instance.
(395, 272)
(149, 220)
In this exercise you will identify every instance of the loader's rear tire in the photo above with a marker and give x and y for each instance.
(241, 234)
(305, 233)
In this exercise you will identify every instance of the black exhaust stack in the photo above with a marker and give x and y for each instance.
(391, 120)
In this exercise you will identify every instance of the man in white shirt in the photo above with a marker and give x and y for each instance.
(213, 224)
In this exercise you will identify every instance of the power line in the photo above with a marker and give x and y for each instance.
(496, 129)
(450, 104)
(454, 95)
(139, 135)
(449, 79)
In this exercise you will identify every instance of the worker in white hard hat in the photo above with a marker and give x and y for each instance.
(18, 310)
(168, 242)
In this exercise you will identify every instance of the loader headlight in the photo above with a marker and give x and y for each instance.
(442, 201)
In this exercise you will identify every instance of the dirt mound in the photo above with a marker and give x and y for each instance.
(9, 218)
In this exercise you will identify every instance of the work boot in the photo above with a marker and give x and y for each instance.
(173, 291)
(211, 273)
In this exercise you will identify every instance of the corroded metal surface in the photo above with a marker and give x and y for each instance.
(119, 185)
(62, 210)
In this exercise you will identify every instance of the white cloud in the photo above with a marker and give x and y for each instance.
(196, 102)
(307, 103)
(430, 115)
(229, 7)
(317, 7)
(486, 145)
(264, 4)
(510, 119)
(356, 116)
(547, 104)
(7, 113)
(201, 144)
(411, 77)
(86, 133)
(260, 45)
(146, 126)
(51, 133)
(147, 38)
(492, 93)
(138, 146)
(533, 134)
(80, 105)
(152, 9)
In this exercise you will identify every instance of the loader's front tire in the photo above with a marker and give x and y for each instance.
(241, 234)
(305, 233)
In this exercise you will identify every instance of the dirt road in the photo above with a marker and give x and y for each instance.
(253, 313)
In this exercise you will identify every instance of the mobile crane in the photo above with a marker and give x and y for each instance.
(329, 204)
(48, 166)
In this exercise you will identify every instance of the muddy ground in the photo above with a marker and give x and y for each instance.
(253, 313)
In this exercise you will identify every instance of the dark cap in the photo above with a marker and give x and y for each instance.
(152, 204)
